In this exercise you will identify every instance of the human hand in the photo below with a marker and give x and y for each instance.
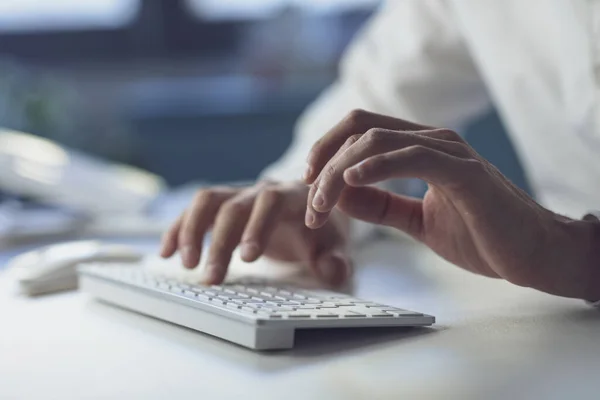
(471, 214)
(265, 219)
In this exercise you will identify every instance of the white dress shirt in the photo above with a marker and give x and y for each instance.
(444, 62)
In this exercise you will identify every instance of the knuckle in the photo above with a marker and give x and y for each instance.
(475, 166)
(375, 136)
(233, 207)
(356, 116)
(449, 134)
(351, 140)
(461, 150)
(204, 196)
(272, 195)
(418, 151)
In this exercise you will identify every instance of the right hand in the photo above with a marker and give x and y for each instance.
(265, 219)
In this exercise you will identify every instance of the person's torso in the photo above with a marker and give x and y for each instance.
(541, 62)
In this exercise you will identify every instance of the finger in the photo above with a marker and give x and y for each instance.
(197, 221)
(169, 239)
(421, 162)
(262, 222)
(314, 218)
(334, 268)
(356, 122)
(380, 207)
(227, 232)
(375, 141)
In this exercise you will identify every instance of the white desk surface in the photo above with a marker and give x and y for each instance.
(492, 340)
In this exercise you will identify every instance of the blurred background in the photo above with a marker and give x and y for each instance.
(190, 90)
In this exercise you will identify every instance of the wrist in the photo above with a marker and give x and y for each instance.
(574, 260)
(593, 257)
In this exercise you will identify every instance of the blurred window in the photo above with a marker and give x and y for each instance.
(36, 15)
(248, 9)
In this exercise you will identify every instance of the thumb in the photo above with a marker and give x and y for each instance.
(333, 267)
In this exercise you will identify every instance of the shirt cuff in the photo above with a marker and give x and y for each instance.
(593, 215)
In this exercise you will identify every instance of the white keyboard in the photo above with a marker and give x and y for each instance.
(250, 313)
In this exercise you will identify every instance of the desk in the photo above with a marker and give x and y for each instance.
(492, 340)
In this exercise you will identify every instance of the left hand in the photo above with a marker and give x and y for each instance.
(471, 214)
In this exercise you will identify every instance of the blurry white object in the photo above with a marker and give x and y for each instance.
(39, 168)
(35, 15)
(245, 9)
(18, 224)
(53, 268)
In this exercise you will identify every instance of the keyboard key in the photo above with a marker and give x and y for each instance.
(297, 314)
(325, 315)
(202, 296)
(380, 314)
(352, 314)
(253, 301)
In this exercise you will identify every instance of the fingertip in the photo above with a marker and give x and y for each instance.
(164, 253)
(353, 176)
(189, 256)
(214, 275)
(168, 250)
(334, 268)
(249, 251)
(308, 174)
(309, 218)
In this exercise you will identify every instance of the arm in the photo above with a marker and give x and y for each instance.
(471, 214)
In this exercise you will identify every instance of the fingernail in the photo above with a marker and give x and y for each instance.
(307, 172)
(319, 200)
(249, 251)
(187, 256)
(309, 219)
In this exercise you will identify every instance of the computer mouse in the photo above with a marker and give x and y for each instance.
(53, 268)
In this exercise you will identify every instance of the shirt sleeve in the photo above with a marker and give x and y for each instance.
(409, 61)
